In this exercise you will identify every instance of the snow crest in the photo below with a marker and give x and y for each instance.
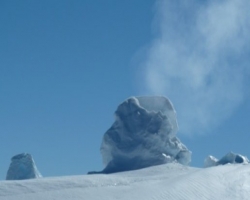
(22, 167)
(143, 135)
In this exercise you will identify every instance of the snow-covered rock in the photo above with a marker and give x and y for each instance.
(228, 158)
(22, 166)
(143, 135)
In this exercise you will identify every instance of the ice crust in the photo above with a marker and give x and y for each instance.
(143, 135)
(231, 157)
(22, 167)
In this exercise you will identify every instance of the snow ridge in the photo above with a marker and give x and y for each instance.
(171, 181)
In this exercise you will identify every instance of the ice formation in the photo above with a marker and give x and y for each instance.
(22, 166)
(143, 135)
(210, 161)
(231, 157)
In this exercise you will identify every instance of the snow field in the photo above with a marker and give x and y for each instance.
(170, 181)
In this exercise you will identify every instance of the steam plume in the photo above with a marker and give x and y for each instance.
(200, 59)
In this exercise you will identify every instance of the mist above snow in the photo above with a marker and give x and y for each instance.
(200, 58)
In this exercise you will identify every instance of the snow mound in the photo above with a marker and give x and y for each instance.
(210, 161)
(228, 158)
(143, 135)
(22, 166)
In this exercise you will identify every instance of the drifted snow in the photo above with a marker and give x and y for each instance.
(171, 181)
(143, 135)
(22, 166)
(228, 158)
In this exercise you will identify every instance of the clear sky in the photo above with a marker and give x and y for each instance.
(66, 65)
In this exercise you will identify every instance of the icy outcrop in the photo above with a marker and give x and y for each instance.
(22, 166)
(231, 157)
(210, 161)
(143, 135)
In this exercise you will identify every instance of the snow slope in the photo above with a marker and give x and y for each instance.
(170, 181)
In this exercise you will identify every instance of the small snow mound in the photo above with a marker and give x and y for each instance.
(143, 135)
(210, 161)
(228, 158)
(22, 166)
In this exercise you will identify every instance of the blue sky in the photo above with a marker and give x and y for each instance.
(66, 65)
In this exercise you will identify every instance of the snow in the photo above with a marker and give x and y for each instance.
(22, 166)
(210, 161)
(231, 157)
(170, 181)
(143, 135)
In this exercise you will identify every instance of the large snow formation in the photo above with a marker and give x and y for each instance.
(143, 135)
(231, 157)
(22, 166)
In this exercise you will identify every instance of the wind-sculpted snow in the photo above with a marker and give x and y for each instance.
(171, 181)
(143, 135)
(231, 157)
(22, 166)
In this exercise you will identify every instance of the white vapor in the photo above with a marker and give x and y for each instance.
(200, 59)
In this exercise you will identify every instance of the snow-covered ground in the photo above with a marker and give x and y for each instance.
(170, 181)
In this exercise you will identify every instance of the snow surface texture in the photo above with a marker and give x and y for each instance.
(143, 135)
(22, 166)
(171, 181)
(231, 157)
